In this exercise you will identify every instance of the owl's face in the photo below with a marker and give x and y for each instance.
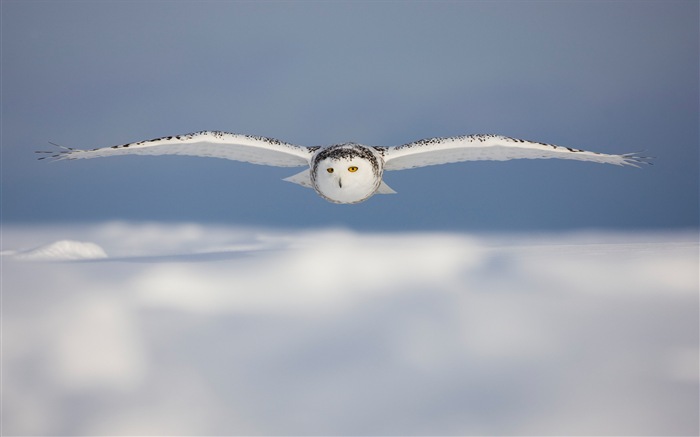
(346, 173)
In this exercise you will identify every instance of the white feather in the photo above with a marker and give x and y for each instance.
(360, 168)
(302, 178)
(247, 148)
(434, 151)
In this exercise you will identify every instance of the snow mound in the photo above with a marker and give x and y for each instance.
(63, 250)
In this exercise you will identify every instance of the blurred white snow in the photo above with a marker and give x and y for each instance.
(192, 329)
(62, 250)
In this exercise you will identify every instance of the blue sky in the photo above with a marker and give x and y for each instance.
(613, 77)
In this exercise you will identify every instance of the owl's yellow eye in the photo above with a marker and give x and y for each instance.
(329, 169)
(352, 169)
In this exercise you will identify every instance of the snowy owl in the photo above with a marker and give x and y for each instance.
(348, 172)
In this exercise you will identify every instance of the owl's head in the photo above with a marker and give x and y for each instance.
(346, 173)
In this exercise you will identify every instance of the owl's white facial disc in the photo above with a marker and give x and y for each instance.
(346, 173)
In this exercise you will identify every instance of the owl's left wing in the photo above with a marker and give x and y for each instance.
(215, 144)
(433, 151)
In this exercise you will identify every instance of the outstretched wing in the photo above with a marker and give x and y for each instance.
(248, 148)
(435, 151)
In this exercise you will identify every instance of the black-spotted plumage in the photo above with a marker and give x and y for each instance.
(368, 162)
(349, 151)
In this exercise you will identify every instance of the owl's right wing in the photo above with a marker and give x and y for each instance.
(433, 151)
(215, 144)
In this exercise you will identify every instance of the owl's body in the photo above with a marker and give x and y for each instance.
(349, 172)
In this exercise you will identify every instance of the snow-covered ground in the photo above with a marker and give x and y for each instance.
(155, 329)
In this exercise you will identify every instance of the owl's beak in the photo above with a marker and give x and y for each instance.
(340, 182)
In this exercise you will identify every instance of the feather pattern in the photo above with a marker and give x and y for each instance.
(434, 151)
(349, 172)
(215, 144)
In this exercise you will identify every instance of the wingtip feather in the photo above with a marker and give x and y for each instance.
(60, 155)
(635, 159)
